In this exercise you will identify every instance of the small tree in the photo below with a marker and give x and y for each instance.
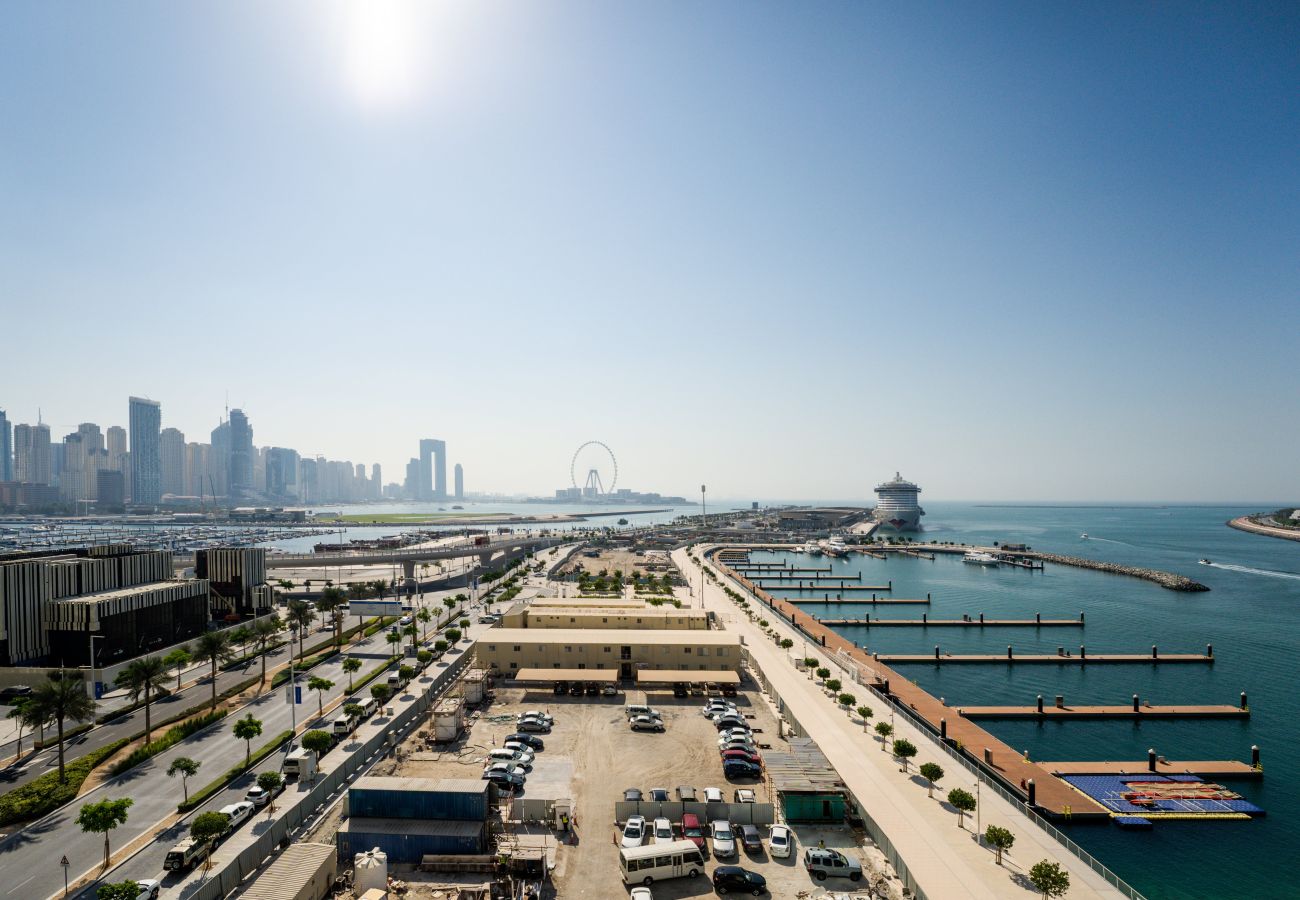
(412, 631)
(351, 665)
(424, 657)
(786, 643)
(246, 729)
(823, 673)
(206, 828)
(931, 772)
(425, 617)
(380, 692)
(865, 712)
(1049, 878)
(270, 782)
(352, 710)
(103, 817)
(963, 802)
(265, 631)
(904, 750)
(318, 742)
(393, 639)
(440, 646)
(810, 663)
(464, 623)
(833, 685)
(1000, 839)
(847, 700)
(122, 890)
(406, 673)
(453, 634)
(186, 768)
(177, 659)
(320, 686)
(884, 729)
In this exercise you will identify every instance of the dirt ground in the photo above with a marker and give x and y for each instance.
(617, 559)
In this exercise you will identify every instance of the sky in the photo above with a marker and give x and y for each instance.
(1015, 251)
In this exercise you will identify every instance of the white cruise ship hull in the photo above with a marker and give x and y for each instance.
(909, 520)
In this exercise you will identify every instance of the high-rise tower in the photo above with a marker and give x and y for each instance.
(459, 475)
(146, 462)
(433, 469)
(241, 454)
(171, 451)
(6, 448)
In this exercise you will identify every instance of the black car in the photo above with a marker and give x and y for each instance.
(531, 740)
(575, 689)
(561, 687)
(593, 690)
(738, 768)
(679, 689)
(15, 692)
(734, 878)
(750, 839)
(659, 795)
(632, 795)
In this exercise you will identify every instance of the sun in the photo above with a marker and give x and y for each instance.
(383, 63)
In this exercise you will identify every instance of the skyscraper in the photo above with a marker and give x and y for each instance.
(171, 452)
(376, 482)
(32, 457)
(146, 463)
(196, 469)
(6, 448)
(411, 486)
(115, 444)
(241, 454)
(218, 473)
(460, 482)
(433, 469)
(282, 472)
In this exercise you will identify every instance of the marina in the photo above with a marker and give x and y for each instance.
(1135, 711)
(967, 622)
(1060, 659)
(858, 601)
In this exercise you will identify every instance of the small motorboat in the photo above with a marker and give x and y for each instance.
(1205, 562)
(1084, 536)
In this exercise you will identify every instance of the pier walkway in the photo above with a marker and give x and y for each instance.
(941, 859)
(1104, 712)
(849, 601)
(1209, 768)
(869, 622)
(1043, 658)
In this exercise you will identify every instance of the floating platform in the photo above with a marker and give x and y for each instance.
(1217, 768)
(953, 623)
(763, 576)
(836, 586)
(1104, 712)
(760, 570)
(1098, 659)
(1150, 796)
(880, 601)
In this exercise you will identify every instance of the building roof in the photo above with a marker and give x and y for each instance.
(653, 612)
(666, 676)
(609, 636)
(804, 770)
(549, 675)
(284, 878)
(199, 586)
(421, 785)
(437, 827)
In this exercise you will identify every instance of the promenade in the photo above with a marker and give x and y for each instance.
(942, 859)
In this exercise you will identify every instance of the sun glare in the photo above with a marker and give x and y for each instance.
(384, 65)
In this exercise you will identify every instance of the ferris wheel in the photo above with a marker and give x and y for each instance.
(596, 463)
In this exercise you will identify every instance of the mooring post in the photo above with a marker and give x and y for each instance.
(981, 618)
(1038, 618)
(1135, 703)
(1151, 759)
(1033, 795)
(943, 729)
(1040, 704)
(1008, 651)
(925, 617)
(936, 651)
(988, 756)
(1080, 617)
(1254, 756)
(1209, 650)
(1243, 700)
(1155, 653)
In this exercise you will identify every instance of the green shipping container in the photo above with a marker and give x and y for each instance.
(813, 807)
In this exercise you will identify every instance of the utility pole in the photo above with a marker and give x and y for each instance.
(704, 510)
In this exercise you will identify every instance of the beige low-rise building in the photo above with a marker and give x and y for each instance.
(639, 617)
(510, 649)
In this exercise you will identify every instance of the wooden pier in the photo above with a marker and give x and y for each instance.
(765, 576)
(1096, 659)
(836, 586)
(1214, 768)
(855, 601)
(1104, 712)
(776, 573)
(869, 622)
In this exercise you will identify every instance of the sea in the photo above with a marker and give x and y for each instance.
(1251, 615)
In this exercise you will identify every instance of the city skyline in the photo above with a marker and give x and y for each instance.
(1015, 252)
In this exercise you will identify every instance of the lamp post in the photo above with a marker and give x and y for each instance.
(979, 832)
(704, 510)
(93, 638)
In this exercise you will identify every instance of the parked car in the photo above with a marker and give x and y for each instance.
(730, 720)
(645, 723)
(148, 888)
(724, 839)
(685, 793)
(717, 703)
(14, 692)
(593, 690)
(609, 690)
(738, 744)
(538, 714)
(781, 841)
(506, 781)
(561, 687)
(658, 795)
(745, 795)
(575, 689)
(508, 767)
(734, 878)
(692, 830)
(745, 755)
(260, 796)
(533, 725)
(679, 689)
(530, 739)
(734, 734)
(712, 795)
(632, 795)
(642, 893)
(525, 752)
(633, 709)
(738, 768)
(821, 862)
(239, 813)
(501, 754)
(749, 839)
(663, 831)
(633, 832)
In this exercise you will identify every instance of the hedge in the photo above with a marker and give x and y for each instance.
(46, 794)
(174, 736)
(206, 793)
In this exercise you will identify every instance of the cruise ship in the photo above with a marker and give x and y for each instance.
(897, 506)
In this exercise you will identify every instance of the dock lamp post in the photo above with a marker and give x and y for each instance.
(979, 832)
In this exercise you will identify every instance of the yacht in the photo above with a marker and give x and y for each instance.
(980, 558)
(835, 547)
(897, 506)
(1084, 536)
(810, 547)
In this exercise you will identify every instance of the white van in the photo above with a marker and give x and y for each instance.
(343, 725)
(300, 763)
(368, 706)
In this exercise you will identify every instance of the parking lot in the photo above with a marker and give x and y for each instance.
(592, 757)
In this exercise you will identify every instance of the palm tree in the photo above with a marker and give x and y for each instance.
(300, 616)
(246, 729)
(178, 659)
(242, 636)
(213, 647)
(144, 677)
(265, 631)
(320, 686)
(394, 638)
(328, 604)
(412, 631)
(425, 617)
(61, 697)
(19, 712)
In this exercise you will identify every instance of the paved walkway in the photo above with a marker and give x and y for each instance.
(944, 860)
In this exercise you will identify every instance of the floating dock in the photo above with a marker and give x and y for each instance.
(856, 601)
(764, 576)
(1104, 712)
(778, 570)
(1214, 768)
(869, 622)
(836, 586)
(1098, 659)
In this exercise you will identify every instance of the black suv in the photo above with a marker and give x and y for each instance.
(734, 878)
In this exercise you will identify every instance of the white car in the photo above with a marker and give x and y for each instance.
(633, 832)
(744, 795)
(714, 707)
(149, 888)
(781, 844)
(724, 839)
(538, 714)
(642, 893)
(663, 831)
(736, 735)
(508, 768)
(525, 752)
(712, 795)
(239, 813)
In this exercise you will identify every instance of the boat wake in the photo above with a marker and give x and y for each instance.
(1251, 571)
(1093, 537)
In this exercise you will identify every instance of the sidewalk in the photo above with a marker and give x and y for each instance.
(942, 859)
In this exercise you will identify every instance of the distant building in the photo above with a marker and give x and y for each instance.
(824, 518)
(110, 490)
(6, 448)
(460, 482)
(282, 472)
(624, 651)
(171, 452)
(146, 463)
(22, 496)
(433, 469)
(115, 444)
(376, 482)
(53, 602)
(237, 579)
(240, 460)
(32, 454)
(411, 486)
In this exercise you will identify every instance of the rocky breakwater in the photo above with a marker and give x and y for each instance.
(1164, 579)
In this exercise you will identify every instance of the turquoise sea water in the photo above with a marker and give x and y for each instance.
(1251, 615)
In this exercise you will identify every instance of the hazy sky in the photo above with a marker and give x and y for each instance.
(1017, 251)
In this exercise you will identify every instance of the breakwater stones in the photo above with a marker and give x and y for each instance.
(1164, 579)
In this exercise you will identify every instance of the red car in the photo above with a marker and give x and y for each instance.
(744, 756)
(692, 830)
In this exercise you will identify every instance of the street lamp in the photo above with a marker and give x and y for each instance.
(979, 832)
(93, 638)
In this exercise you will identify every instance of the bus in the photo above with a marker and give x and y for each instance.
(655, 862)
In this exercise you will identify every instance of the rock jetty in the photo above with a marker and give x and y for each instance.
(1164, 579)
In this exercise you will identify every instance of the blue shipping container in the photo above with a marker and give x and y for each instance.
(409, 842)
(460, 799)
